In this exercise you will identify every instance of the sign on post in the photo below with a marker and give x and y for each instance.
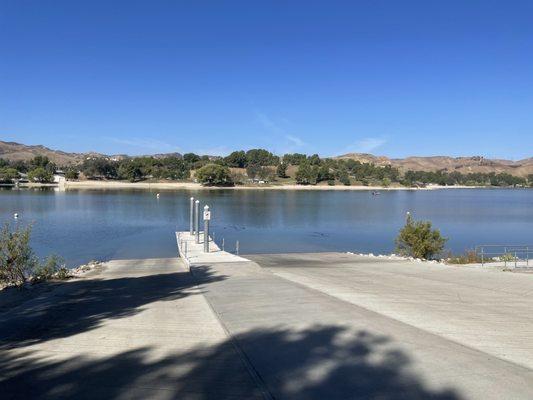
(207, 215)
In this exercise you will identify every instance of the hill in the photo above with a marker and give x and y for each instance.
(13, 151)
(464, 165)
(16, 151)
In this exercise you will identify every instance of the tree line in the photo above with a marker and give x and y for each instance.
(254, 165)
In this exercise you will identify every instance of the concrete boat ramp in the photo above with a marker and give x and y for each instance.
(290, 326)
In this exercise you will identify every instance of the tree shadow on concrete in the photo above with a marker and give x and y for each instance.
(62, 309)
(325, 362)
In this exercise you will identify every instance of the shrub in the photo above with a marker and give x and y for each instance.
(40, 174)
(468, 257)
(17, 260)
(8, 174)
(418, 239)
(214, 175)
(507, 257)
(52, 266)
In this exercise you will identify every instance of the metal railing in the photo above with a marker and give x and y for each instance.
(517, 255)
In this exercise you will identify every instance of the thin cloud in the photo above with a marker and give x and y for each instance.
(267, 122)
(147, 144)
(367, 145)
(295, 140)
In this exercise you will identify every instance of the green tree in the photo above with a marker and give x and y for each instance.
(418, 239)
(314, 159)
(40, 174)
(261, 157)
(281, 170)
(294, 159)
(130, 170)
(306, 174)
(17, 260)
(191, 158)
(344, 178)
(324, 174)
(237, 159)
(214, 175)
(71, 173)
(8, 174)
(99, 168)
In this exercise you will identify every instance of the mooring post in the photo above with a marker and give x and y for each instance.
(207, 217)
(237, 248)
(482, 258)
(197, 221)
(222, 244)
(191, 216)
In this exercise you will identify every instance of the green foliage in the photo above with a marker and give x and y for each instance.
(8, 174)
(386, 182)
(214, 175)
(191, 158)
(261, 157)
(130, 170)
(40, 174)
(52, 267)
(343, 177)
(324, 174)
(260, 172)
(314, 159)
(456, 178)
(294, 159)
(237, 159)
(507, 257)
(99, 168)
(71, 173)
(468, 257)
(306, 174)
(281, 170)
(418, 239)
(17, 260)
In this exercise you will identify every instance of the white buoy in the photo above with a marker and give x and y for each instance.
(157, 195)
(16, 215)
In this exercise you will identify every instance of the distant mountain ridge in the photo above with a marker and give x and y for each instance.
(464, 165)
(16, 151)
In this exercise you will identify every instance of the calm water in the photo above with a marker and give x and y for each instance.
(84, 225)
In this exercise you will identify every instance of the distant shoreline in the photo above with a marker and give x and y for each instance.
(196, 186)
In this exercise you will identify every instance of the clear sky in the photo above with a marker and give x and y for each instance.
(390, 77)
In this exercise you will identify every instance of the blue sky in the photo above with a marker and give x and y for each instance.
(396, 78)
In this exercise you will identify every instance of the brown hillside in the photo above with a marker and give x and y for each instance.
(450, 164)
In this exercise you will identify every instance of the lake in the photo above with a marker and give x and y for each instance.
(81, 225)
